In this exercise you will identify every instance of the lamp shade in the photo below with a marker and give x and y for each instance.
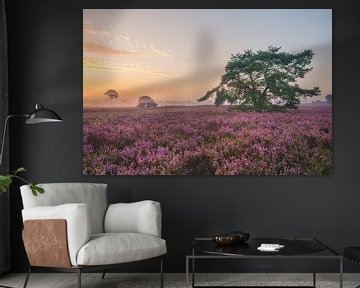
(42, 115)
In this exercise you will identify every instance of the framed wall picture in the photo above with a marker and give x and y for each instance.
(207, 92)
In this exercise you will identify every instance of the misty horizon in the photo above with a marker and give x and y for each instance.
(184, 104)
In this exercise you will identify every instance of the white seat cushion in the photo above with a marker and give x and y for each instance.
(113, 248)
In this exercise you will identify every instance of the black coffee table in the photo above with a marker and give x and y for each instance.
(295, 248)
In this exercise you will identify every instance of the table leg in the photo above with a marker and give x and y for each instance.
(341, 273)
(314, 271)
(193, 267)
(193, 272)
(187, 272)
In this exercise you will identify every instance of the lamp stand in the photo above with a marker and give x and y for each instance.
(4, 135)
(39, 115)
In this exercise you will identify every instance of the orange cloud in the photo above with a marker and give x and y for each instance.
(102, 49)
(93, 64)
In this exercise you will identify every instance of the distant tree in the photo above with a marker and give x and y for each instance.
(260, 79)
(146, 102)
(328, 98)
(111, 94)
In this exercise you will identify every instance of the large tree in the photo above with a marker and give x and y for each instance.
(328, 98)
(263, 80)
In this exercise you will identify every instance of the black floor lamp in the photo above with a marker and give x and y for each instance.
(39, 115)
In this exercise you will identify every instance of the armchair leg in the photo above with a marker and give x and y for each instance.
(161, 273)
(79, 277)
(27, 277)
(103, 275)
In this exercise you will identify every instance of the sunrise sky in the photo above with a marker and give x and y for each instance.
(175, 56)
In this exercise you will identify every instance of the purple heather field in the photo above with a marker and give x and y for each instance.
(207, 140)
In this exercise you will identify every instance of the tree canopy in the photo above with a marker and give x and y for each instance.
(111, 94)
(263, 80)
(328, 98)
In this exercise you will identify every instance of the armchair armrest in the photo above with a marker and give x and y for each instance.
(77, 219)
(52, 250)
(138, 217)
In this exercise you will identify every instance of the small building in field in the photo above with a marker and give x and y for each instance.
(146, 102)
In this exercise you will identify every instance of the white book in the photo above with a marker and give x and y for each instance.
(270, 247)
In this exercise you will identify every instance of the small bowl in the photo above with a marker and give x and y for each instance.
(242, 236)
(225, 239)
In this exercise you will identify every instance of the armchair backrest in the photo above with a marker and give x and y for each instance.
(92, 194)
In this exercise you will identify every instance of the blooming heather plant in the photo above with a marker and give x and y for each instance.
(207, 140)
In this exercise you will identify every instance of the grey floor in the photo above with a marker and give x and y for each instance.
(122, 280)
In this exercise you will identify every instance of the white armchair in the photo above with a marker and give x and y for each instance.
(72, 228)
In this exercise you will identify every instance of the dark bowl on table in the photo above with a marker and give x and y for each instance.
(242, 236)
(231, 238)
(225, 239)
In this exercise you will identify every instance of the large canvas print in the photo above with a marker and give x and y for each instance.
(207, 92)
